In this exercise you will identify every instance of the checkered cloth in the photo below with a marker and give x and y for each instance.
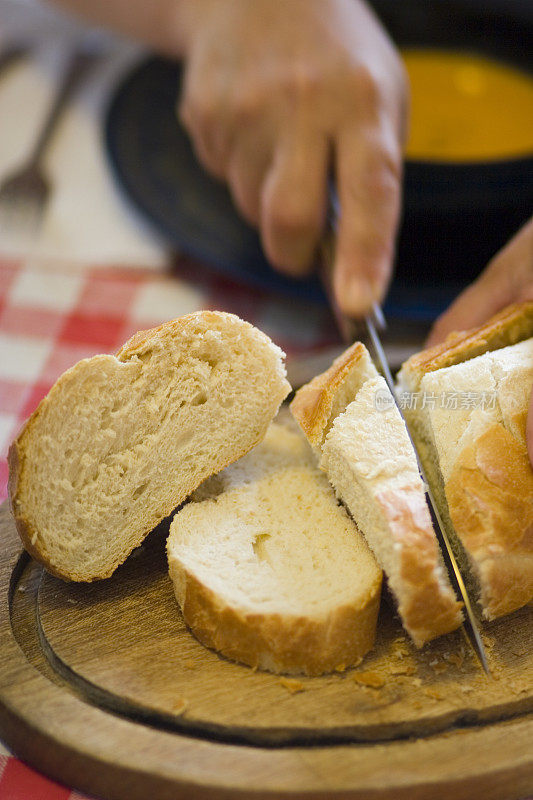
(50, 318)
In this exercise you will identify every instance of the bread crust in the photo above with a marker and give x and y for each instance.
(511, 325)
(490, 498)
(136, 345)
(277, 642)
(312, 404)
(427, 605)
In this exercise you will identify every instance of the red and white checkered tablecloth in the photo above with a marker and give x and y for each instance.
(52, 316)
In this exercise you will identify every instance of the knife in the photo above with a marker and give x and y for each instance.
(350, 330)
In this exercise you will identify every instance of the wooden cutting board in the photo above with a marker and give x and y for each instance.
(103, 687)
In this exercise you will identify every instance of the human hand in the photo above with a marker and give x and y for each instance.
(275, 95)
(507, 279)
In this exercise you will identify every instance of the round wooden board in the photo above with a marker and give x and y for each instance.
(102, 687)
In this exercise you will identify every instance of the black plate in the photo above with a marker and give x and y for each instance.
(455, 216)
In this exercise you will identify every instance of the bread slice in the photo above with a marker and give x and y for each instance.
(370, 461)
(120, 441)
(466, 404)
(319, 402)
(268, 568)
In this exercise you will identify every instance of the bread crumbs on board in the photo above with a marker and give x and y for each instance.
(371, 679)
(179, 706)
(409, 669)
(292, 685)
(456, 659)
(434, 694)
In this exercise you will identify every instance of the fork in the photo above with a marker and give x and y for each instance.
(24, 193)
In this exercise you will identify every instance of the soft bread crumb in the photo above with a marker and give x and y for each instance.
(371, 463)
(369, 459)
(268, 568)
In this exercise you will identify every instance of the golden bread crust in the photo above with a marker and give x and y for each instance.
(490, 498)
(512, 325)
(313, 403)
(277, 642)
(427, 605)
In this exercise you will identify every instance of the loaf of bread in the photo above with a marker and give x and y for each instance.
(370, 462)
(268, 568)
(466, 404)
(120, 441)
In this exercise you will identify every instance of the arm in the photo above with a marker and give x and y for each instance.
(276, 94)
(507, 279)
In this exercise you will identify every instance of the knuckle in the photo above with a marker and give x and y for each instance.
(365, 84)
(385, 187)
(302, 82)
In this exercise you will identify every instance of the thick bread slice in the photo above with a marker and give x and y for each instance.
(119, 442)
(270, 570)
(470, 425)
(396, 524)
(370, 462)
(320, 401)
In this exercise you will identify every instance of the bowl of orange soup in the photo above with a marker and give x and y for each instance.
(469, 152)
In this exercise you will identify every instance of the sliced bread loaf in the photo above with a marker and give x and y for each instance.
(119, 442)
(268, 568)
(468, 415)
(371, 463)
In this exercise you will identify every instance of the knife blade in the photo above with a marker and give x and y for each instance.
(351, 330)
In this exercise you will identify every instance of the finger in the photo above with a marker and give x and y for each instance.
(368, 165)
(507, 279)
(200, 112)
(246, 172)
(529, 430)
(293, 202)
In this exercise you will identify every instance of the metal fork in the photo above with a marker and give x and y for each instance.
(24, 193)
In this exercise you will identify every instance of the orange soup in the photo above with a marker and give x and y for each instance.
(467, 108)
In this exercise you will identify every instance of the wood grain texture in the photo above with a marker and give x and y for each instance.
(57, 727)
(127, 636)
